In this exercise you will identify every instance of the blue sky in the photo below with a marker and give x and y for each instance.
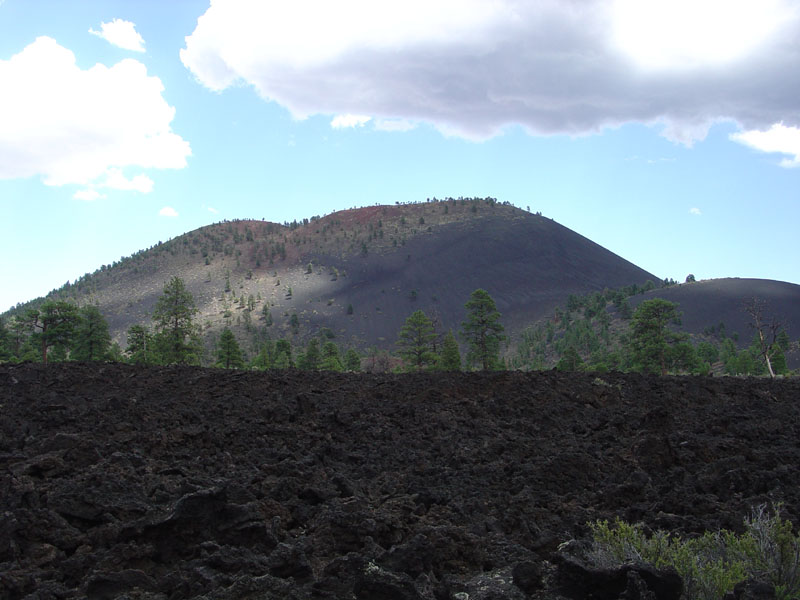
(664, 131)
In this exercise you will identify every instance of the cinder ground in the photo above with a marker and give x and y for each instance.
(167, 483)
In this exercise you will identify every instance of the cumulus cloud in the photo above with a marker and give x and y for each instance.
(75, 126)
(474, 67)
(88, 195)
(168, 211)
(778, 138)
(349, 121)
(695, 211)
(122, 34)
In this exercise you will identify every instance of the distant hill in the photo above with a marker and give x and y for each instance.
(709, 303)
(360, 273)
(597, 325)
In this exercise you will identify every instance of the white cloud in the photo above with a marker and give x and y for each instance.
(114, 178)
(349, 121)
(168, 211)
(778, 138)
(122, 34)
(88, 195)
(74, 126)
(394, 125)
(212, 210)
(695, 211)
(474, 67)
(686, 34)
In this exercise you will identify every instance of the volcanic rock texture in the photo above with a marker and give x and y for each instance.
(165, 483)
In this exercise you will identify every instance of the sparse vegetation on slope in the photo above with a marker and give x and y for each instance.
(241, 271)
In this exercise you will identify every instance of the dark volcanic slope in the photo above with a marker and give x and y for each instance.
(713, 301)
(182, 483)
(528, 263)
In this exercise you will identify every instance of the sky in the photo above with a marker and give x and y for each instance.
(665, 131)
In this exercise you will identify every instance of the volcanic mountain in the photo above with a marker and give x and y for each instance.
(359, 273)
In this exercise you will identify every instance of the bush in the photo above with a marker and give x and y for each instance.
(712, 564)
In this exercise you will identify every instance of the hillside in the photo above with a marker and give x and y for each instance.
(360, 272)
(706, 304)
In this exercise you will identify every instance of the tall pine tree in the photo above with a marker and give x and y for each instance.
(53, 324)
(177, 338)
(416, 341)
(92, 339)
(450, 358)
(229, 355)
(482, 331)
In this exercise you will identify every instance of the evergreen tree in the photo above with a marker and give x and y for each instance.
(176, 337)
(650, 339)
(92, 339)
(53, 324)
(331, 361)
(229, 355)
(282, 361)
(570, 360)
(450, 359)
(482, 330)
(115, 353)
(266, 356)
(684, 359)
(744, 362)
(779, 365)
(416, 341)
(5, 343)
(140, 349)
(352, 360)
(18, 330)
(283, 355)
(625, 310)
(707, 352)
(310, 360)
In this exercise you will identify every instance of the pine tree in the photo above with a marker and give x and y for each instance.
(650, 340)
(115, 353)
(570, 360)
(140, 349)
(416, 341)
(266, 356)
(53, 324)
(177, 338)
(310, 360)
(283, 355)
(18, 330)
(92, 339)
(5, 343)
(352, 360)
(482, 331)
(450, 359)
(266, 315)
(229, 355)
(282, 361)
(331, 361)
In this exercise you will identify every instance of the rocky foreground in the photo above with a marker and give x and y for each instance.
(164, 483)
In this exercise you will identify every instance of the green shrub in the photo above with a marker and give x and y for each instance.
(711, 564)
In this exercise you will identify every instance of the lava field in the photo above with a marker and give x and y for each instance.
(120, 481)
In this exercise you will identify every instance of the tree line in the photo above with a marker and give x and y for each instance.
(584, 336)
(59, 330)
